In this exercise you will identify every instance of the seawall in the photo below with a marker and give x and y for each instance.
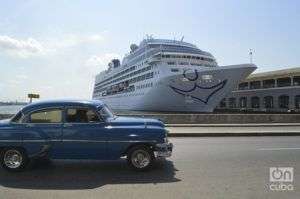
(215, 118)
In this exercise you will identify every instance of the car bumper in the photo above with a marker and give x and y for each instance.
(163, 150)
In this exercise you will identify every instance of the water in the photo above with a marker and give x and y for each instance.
(12, 109)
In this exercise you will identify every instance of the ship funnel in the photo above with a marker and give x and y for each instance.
(115, 63)
(133, 48)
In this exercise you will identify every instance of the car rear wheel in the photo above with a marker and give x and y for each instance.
(13, 159)
(140, 158)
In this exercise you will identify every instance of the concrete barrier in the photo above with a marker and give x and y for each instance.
(215, 118)
(222, 118)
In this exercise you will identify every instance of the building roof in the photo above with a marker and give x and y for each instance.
(275, 74)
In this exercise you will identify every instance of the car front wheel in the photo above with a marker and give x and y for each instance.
(140, 158)
(13, 159)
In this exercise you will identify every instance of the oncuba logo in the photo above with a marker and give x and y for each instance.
(281, 178)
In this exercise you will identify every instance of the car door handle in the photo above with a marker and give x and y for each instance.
(67, 125)
(29, 125)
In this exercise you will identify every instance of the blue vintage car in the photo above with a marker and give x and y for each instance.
(73, 129)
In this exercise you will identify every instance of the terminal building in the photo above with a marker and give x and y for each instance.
(273, 91)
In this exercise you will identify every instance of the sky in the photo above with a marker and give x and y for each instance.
(55, 48)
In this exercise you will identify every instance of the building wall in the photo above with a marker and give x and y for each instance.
(277, 93)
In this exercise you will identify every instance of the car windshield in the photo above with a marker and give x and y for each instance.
(106, 112)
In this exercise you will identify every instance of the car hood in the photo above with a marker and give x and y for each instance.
(133, 121)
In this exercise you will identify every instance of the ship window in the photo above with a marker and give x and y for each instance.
(268, 102)
(269, 83)
(255, 85)
(297, 101)
(297, 81)
(174, 70)
(171, 63)
(183, 63)
(243, 102)
(167, 56)
(255, 102)
(283, 101)
(243, 86)
(282, 82)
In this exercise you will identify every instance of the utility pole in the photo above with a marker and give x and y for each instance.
(251, 56)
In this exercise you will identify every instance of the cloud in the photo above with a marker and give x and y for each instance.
(23, 77)
(97, 63)
(101, 60)
(70, 40)
(25, 48)
(22, 48)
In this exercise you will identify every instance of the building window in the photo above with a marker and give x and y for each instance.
(296, 81)
(223, 103)
(232, 102)
(282, 82)
(255, 85)
(243, 102)
(269, 83)
(255, 102)
(283, 101)
(244, 86)
(297, 101)
(268, 102)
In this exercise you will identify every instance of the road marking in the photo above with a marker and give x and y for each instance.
(278, 149)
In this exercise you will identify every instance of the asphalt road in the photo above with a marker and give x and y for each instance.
(213, 167)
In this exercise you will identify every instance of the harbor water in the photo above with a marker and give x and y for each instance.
(11, 109)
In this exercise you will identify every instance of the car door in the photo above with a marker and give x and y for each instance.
(43, 131)
(84, 134)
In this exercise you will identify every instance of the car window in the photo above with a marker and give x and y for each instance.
(46, 116)
(81, 115)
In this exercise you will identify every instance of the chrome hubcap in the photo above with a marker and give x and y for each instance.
(12, 159)
(140, 158)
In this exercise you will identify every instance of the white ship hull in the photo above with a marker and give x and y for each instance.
(190, 90)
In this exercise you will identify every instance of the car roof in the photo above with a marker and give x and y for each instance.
(59, 103)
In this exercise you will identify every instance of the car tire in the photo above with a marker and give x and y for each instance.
(13, 159)
(140, 158)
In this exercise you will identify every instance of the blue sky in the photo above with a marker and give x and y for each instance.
(56, 48)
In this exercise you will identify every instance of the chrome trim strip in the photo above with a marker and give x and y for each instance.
(69, 140)
(10, 140)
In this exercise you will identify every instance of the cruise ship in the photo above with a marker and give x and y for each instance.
(167, 75)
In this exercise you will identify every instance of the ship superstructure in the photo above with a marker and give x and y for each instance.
(167, 75)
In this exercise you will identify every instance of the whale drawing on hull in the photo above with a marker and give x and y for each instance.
(196, 89)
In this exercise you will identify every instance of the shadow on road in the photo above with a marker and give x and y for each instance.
(62, 175)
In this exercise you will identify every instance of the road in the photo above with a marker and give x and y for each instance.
(211, 167)
(233, 129)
